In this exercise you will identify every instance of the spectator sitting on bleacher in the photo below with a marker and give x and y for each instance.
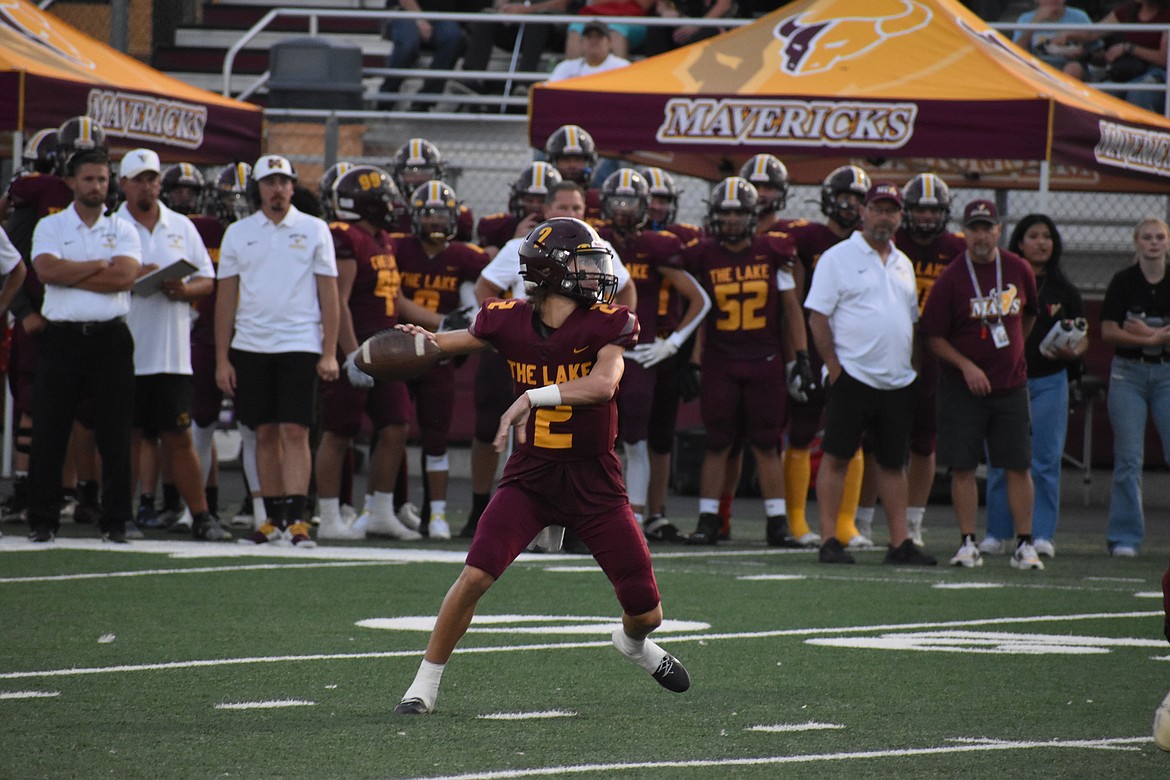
(625, 37)
(598, 56)
(445, 37)
(1039, 42)
(663, 39)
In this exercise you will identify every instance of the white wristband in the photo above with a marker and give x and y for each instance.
(549, 395)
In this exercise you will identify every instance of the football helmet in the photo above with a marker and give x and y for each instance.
(325, 187)
(80, 134)
(566, 256)
(930, 196)
(843, 181)
(235, 193)
(183, 188)
(572, 141)
(417, 161)
(434, 212)
(539, 179)
(662, 187)
(625, 198)
(40, 151)
(366, 192)
(732, 210)
(766, 170)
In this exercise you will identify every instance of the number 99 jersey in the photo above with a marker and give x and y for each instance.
(372, 301)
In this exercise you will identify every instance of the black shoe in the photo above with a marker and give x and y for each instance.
(41, 535)
(908, 554)
(672, 675)
(833, 552)
(411, 707)
(659, 529)
(778, 535)
(206, 527)
(707, 531)
(86, 515)
(115, 536)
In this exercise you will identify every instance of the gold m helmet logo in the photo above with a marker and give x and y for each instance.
(814, 42)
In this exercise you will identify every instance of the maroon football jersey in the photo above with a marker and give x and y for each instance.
(929, 260)
(812, 240)
(744, 323)
(687, 233)
(535, 360)
(643, 256)
(211, 231)
(464, 223)
(372, 301)
(433, 282)
(497, 229)
(592, 204)
(44, 193)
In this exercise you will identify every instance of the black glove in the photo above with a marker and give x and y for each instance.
(688, 381)
(800, 377)
(456, 319)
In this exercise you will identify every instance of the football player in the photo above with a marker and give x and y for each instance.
(573, 153)
(567, 343)
(418, 161)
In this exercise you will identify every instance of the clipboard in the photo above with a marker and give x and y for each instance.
(148, 285)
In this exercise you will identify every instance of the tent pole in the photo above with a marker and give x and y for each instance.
(7, 440)
(1045, 181)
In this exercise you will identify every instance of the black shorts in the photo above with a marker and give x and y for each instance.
(162, 403)
(853, 409)
(280, 387)
(965, 422)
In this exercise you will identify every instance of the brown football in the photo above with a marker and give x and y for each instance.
(397, 356)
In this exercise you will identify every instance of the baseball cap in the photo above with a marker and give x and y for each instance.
(139, 161)
(271, 164)
(980, 211)
(884, 190)
(596, 26)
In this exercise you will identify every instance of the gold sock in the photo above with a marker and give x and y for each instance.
(797, 474)
(850, 498)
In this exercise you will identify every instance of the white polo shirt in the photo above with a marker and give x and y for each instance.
(65, 236)
(9, 255)
(872, 308)
(278, 266)
(162, 327)
(504, 269)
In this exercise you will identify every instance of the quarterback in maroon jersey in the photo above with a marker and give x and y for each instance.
(565, 347)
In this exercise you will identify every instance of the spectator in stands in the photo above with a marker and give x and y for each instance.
(1039, 43)
(446, 38)
(1134, 319)
(597, 56)
(625, 37)
(662, 39)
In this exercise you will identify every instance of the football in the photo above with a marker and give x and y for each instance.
(397, 356)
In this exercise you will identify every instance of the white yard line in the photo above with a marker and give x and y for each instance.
(528, 715)
(98, 575)
(265, 705)
(28, 694)
(779, 728)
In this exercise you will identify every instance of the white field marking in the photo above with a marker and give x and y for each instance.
(1114, 579)
(573, 569)
(100, 575)
(528, 715)
(193, 549)
(765, 577)
(812, 725)
(1117, 743)
(28, 694)
(1148, 594)
(1160, 657)
(515, 624)
(967, 585)
(986, 642)
(265, 705)
(211, 662)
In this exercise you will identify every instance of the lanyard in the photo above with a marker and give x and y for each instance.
(996, 306)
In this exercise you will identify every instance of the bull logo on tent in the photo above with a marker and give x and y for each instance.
(814, 42)
(36, 26)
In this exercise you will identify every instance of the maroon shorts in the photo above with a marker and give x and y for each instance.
(635, 397)
(747, 395)
(494, 393)
(434, 403)
(516, 514)
(206, 397)
(386, 403)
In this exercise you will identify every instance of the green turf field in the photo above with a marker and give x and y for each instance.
(174, 659)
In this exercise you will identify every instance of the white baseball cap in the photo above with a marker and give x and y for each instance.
(271, 164)
(139, 161)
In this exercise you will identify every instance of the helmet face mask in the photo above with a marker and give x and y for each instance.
(732, 210)
(567, 257)
(533, 189)
(625, 198)
(927, 205)
(183, 189)
(663, 206)
(366, 193)
(841, 194)
(234, 193)
(770, 177)
(434, 212)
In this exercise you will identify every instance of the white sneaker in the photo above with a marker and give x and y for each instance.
(810, 540)
(389, 525)
(183, 522)
(864, 527)
(241, 521)
(339, 529)
(348, 514)
(1025, 557)
(859, 542)
(408, 515)
(968, 556)
(914, 530)
(438, 528)
(1044, 547)
(1123, 551)
(1162, 724)
(992, 546)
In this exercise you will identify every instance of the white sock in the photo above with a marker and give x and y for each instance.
(864, 514)
(637, 472)
(914, 514)
(775, 506)
(426, 683)
(330, 509)
(381, 504)
(708, 506)
(643, 652)
(259, 513)
(438, 510)
(368, 502)
(204, 440)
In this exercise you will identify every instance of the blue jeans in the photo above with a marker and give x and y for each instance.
(1151, 101)
(447, 41)
(1048, 396)
(1135, 389)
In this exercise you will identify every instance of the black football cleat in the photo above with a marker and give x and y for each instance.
(908, 554)
(833, 552)
(658, 529)
(41, 535)
(707, 531)
(671, 674)
(412, 707)
(115, 536)
(778, 534)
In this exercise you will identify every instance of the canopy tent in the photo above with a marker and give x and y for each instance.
(899, 85)
(49, 71)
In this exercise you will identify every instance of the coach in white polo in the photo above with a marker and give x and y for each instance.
(276, 321)
(160, 320)
(88, 262)
(862, 306)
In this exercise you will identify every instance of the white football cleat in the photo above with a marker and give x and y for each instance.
(339, 529)
(1025, 557)
(408, 515)
(992, 546)
(389, 525)
(968, 556)
(438, 528)
(1044, 547)
(1162, 724)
